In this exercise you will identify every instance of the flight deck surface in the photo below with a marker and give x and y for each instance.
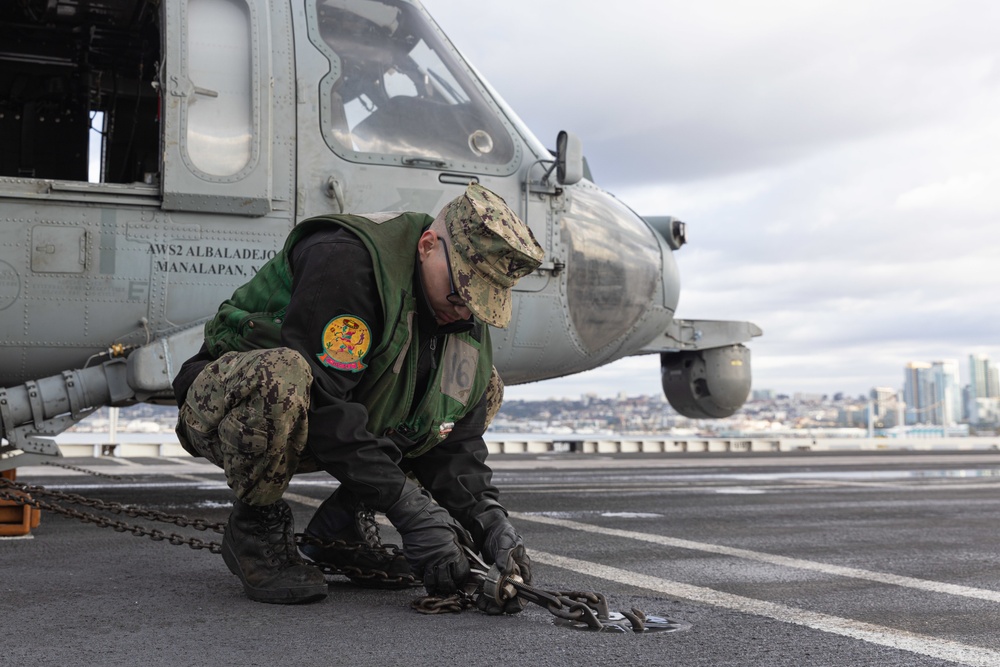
(886, 558)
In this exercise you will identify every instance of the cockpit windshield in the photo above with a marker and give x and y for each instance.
(395, 89)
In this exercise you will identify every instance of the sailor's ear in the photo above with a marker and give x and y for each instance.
(426, 243)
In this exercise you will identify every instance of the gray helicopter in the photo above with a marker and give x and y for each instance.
(218, 125)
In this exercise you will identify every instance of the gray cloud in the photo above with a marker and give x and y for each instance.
(669, 91)
(835, 163)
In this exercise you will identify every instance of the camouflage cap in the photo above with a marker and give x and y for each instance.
(490, 250)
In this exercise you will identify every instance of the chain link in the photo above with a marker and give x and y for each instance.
(637, 618)
(451, 604)
(154, 534)
(354, 572)
(79, 469)
(588, 608)
(116, 508)
(18, 491)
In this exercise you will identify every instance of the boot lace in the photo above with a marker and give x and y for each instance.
(367, 526)
(277, 531)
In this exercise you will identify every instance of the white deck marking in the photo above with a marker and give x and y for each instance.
(304, 500)
(867, 632)
(874, 634)
(201, 481)
(826, 568)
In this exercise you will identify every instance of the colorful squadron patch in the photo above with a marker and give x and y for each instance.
(346, 340)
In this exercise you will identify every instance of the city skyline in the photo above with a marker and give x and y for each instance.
(598, 381)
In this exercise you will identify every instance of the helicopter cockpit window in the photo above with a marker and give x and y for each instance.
(395, 89)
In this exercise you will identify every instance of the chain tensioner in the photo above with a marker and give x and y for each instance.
(578, 609)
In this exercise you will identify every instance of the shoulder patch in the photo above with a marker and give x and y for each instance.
(346, 340)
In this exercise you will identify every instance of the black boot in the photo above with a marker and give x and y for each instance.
(259, 548)
(344, 534)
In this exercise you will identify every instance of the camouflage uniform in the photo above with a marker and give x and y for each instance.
(248, 414)
(494, 396)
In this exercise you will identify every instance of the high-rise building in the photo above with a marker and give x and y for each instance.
(968, 404)
(980, 368)
(918, 392)
(931, 393)
(947, 398)
(884, 402)
(983, 384)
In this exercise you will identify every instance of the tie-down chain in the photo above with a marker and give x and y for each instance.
(587, 608)
(25, 494)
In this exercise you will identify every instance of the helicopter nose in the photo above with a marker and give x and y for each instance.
(615, 267)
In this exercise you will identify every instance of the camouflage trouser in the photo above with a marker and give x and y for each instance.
(494, 396)
(247, 412)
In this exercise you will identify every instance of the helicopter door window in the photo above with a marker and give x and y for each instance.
(219, 90)
(77, 95)
(396, 88)
(219, 129)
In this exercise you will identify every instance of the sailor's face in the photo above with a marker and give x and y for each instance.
(439, 285)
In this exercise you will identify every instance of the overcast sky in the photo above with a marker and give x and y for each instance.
(836, 163)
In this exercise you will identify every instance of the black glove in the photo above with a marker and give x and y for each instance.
(430, 543)
(501, 545)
